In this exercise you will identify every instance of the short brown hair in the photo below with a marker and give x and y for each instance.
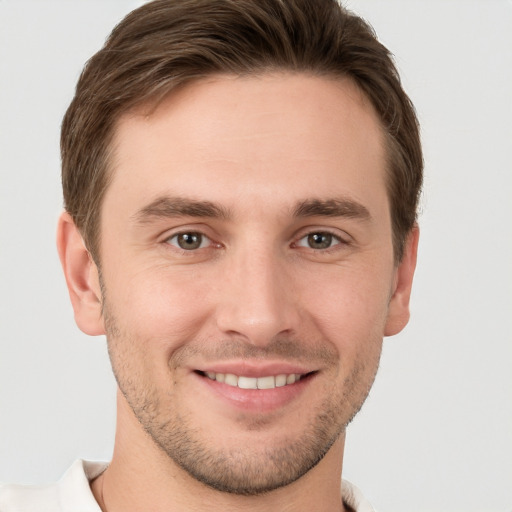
(167, 43)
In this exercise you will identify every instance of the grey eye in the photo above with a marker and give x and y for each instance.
(189, 241)
(319, 240)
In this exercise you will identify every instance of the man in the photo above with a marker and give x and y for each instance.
(241, 181)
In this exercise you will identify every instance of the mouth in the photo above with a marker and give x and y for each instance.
(264, 382)
(256, 387)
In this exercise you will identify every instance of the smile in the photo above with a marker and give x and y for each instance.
(243, 382)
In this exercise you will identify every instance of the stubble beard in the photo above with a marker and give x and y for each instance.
(239, 470)
(242, 470)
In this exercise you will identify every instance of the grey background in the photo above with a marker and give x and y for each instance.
(436, 432)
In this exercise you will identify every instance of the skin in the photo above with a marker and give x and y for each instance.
(259, 293)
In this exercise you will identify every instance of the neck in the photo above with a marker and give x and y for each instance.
(140, 472)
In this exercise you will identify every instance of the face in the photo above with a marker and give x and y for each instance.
(247, 272)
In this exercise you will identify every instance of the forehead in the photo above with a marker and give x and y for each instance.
(268, 137)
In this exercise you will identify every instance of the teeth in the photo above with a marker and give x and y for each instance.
(247, 383)
(280, 381)
(230, 380)
(267, 382)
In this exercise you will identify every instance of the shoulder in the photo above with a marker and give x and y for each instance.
(71, 493)
(28, 498)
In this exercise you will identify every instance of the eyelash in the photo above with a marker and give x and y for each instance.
(190, 233)
(334, 241)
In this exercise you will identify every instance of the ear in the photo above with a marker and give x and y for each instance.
(81, 275)
(398, 311)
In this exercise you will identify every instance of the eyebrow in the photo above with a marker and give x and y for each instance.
(168, 207)
(339, 207)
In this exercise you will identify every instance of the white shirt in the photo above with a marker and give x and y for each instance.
(72, 493)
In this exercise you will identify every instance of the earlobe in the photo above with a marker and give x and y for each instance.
(81, 275)
(398, 312)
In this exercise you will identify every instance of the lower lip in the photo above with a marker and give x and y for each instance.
(257, 400)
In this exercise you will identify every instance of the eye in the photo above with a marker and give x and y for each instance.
(319, 240)
(189, 241)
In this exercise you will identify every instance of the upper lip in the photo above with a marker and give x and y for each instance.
(254, 368)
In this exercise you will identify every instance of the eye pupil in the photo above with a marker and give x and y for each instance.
(319, 240)
(189, 241)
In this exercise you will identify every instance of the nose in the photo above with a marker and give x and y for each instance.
(257, 300)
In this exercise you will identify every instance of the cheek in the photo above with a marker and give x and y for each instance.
(159, 304)
(162, 304)
(349, 305)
